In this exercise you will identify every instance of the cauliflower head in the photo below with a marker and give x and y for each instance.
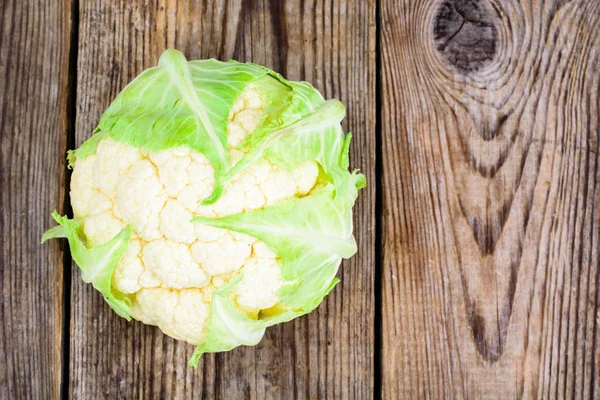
(213, 201)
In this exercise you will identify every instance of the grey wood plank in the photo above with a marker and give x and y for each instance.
(491, 199)
(34, 79)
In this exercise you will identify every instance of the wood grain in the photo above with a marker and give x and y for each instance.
(491, 196)
(34, 72)
(330, 352)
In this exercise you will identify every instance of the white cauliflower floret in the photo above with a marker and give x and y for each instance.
(99, 203)
(182, 314)
(262, 278)
(101, 228)
(130, 268)
(175, 223)
(304, 176)
(172, 266)
(279, 185)
(201, 182)
(112, 160)
(140, 198)
(173, 165)
(82, 188)
(222, 255)
(244, 116)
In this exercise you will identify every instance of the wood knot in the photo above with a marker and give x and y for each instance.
(465, 33)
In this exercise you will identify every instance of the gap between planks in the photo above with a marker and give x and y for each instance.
(377, 389)
(67, 258)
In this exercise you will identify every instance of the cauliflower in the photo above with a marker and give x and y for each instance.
(171, 262)
(213, 201)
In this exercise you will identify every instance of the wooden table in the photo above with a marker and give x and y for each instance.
(476, 123)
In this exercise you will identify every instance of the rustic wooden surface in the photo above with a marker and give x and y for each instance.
(34, 94)
(491, 207)
(477, 125)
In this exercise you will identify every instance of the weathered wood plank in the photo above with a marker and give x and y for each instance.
(491, 199)
(332, 45)
(34, 69)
